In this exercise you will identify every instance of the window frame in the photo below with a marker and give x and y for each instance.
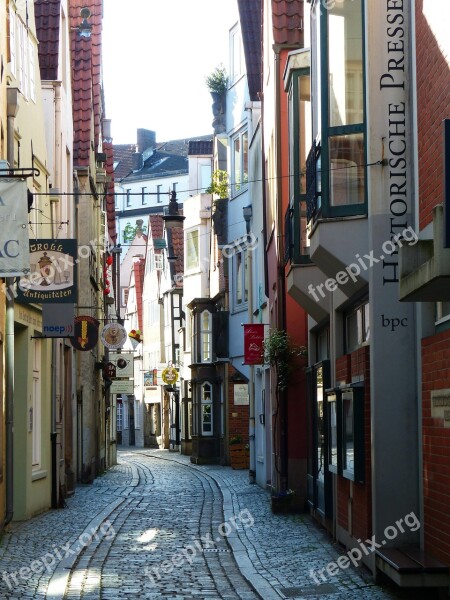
(204, 402)
(297, 209)
(190, 268)
(326, 210)
(206, 339)
(363, 309)
(239, 184)
(243, 304)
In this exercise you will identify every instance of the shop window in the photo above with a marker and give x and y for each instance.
(206, 408)
(345, 432)
(119, 416)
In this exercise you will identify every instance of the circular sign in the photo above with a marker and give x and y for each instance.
(113, 336)
(169, 376)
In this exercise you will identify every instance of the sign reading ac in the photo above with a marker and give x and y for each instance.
(9, 249)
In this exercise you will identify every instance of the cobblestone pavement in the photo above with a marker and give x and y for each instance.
(156, 526)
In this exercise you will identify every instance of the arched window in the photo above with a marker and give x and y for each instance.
(205, 336)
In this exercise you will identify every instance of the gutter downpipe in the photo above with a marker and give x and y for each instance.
(12, 110)
(54, 207)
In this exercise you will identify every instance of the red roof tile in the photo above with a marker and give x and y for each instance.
(110, 197)
(47, 18)
(287, 17)
(250, 16)
(139, 268)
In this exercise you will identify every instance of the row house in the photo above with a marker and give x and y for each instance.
(53, 135)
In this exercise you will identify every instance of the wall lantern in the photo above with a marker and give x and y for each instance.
(172, 218)
(247, 211)
(85, 28)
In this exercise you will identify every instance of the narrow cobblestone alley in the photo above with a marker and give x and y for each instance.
(157, 526)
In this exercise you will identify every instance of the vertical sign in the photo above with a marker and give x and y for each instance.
(14, 244)
(253, 344)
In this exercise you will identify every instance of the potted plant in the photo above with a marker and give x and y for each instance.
(239, 453)
(282, 502)
(217, 81)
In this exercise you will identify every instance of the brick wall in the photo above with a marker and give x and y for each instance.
(433, 104)
(436, 447)
(354, 500)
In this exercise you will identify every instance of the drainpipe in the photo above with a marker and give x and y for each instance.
(12, 110)
(55, 216)
(251, 383)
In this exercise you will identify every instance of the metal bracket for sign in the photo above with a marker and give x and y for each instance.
(19, 173)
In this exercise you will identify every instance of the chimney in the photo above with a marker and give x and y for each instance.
(139, 230)
(138, 161)
(145, 139)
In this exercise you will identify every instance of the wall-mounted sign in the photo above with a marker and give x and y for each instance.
(150, 378)
(113, 336)
(122, 386)
(123, 363)
(86, 333)
(253, 344)
(53, 273)
(14, 245)
(169, 375)
(58, 320)
(241, 394)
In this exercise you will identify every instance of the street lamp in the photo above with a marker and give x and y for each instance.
(172, 218)
(247, 211)
(85, 28)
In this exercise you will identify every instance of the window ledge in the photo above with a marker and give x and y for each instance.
(36, 475)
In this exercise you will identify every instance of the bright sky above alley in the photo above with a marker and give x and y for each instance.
(155, 58)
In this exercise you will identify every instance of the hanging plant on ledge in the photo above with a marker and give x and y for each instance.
(281, 353)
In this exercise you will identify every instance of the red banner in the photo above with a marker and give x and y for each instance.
(253, 344)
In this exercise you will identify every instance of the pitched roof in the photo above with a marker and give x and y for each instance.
(287, 18)
(86, 80)
(178, 251)
(156, 226)
(110, 197)
(47, 18)
(123, 156)
(200, 147)
(250, 16)
(158, 164)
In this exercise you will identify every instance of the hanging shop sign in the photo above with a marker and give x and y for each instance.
(122, 386)
(123, 363)
(253, 344)
(14, 243)
(113, 336)
(58, 320)
(169, 375)
(53, 273)
(86, 333)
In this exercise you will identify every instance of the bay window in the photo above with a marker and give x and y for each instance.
(239, 160)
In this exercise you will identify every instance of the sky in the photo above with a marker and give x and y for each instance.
(156, 55)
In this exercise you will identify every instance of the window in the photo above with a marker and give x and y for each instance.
(205, 336)
(333, 433)
(357, 327)
(143, 191)
(158, 194)
(299, 144)
(240, 280)
(157, 262)
(12, 42)
(341, 122)
(352, 423)
(36, 405)
(119, 416)
(137, 414)
(206, 407)
(442, 312)
(239, 174)
(32, 71)
(236, 58)
(192, 250)
(128, 198)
